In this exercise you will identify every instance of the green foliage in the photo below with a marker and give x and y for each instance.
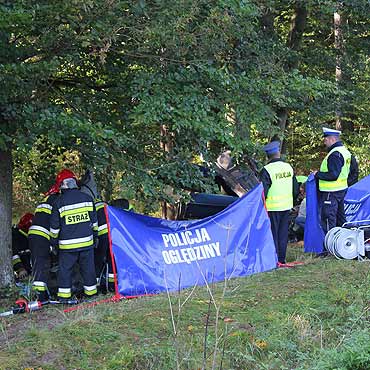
(100, 79)
(126, 359)
(353, 354)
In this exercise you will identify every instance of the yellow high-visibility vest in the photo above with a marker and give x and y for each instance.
(280, 194)
(341, 182)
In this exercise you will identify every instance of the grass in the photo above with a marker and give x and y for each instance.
(314, 316)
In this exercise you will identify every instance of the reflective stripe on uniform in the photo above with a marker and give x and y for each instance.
(39, 230)
(76, 208)
(23, 233)
(40, 286)
(64, 292)
(103, 229)
(111, 278)
(16, 259)
(277, 197)
(99, 205)
(90, 290)
(44, 207)
(339, 184)
(39, 283)
(54, 232)
(76, 243)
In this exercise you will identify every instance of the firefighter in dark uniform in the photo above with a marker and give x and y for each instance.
(20, 247)
(102, 251)
(74, 229)
(337, 171)
(280, 189)
(39, 237)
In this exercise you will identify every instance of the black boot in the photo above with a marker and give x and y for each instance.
(43, 296)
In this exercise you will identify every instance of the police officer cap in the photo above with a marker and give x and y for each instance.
(330, 132)
(272, 148)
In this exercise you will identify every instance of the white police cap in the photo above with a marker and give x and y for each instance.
(272, 148)
(330, 132)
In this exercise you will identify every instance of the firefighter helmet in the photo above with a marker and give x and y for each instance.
(63, 175)
(25, 222)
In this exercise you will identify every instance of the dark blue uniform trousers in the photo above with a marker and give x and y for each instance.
(40, 252)
(279, 227)
(85, 259)
(100, 255)
(332, 209)
(104, 265)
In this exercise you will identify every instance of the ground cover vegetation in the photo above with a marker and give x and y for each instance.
(314, 316)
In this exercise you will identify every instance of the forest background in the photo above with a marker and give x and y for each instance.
(141, 91)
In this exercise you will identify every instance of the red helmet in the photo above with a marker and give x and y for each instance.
(25, 222)
(64, 174)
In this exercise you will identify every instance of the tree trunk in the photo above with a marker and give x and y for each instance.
(108, 181)
(267, 21)
(297, 27)
(6, 170)
(338, 44)
(169, 211)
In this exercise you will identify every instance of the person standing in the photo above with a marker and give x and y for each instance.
(102, 251)
(74, 229)
(39, 239)
(333, 178)
(280, 189)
